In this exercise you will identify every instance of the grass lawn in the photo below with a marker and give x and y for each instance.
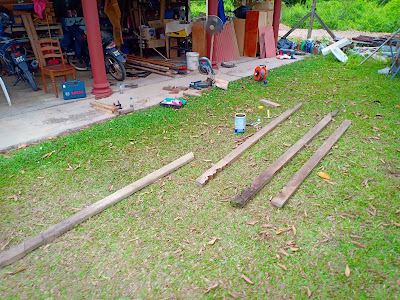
(154, 244)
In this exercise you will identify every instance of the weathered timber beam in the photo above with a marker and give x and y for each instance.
(18, 251)
(235, 154)
(248, 193)
(295, 182)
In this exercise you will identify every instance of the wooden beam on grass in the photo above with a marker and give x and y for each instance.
(269, 103)
(248, 193)
(235, 154)
(298, 178)
(18, 251)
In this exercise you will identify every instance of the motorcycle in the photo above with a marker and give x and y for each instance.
(13, 54)
(113, 57)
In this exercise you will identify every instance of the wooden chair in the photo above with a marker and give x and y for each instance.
(50, 49)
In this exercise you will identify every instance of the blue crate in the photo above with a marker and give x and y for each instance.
(74, 89)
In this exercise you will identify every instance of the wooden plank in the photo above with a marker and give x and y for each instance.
(155, 62)
(248, 193)
(199, 39)
(18, 251)
(153, 71)
(295, 182)
(251, 36)
(261, 38)
(235, 154)
(240, 31)
(269, 39)
(150, 65)
(31, 31)
(269, 103)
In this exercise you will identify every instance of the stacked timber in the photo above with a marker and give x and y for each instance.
(154, 66)
(49, 16)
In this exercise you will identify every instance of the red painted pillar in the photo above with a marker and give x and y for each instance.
(212, 11)
(277, 18)
(101, 87)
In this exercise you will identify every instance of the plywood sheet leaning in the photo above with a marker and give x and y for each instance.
(295, 182)
(240, 31)
(261, 36)
(225, 44)
(235, 154)
(261, 180)
(18, 251)
(251, 35)
(269, 41)
(199, 39)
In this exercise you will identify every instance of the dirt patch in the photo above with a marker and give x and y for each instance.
(321, 33)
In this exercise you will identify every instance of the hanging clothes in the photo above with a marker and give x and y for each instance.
(111, 9)
(39, 6)
(221, 11)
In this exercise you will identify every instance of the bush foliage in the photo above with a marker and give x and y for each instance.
(350, 14)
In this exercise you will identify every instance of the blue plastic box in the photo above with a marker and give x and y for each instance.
(74, 89)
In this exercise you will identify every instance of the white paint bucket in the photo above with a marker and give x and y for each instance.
(192, 60)
(240, 122)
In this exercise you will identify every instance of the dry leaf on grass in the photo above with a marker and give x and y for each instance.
(247, 279)
(279, 231)
(236, 295)
(372, 207)
(16, 271)
(252, 222)
(294, 249)
(283, 252)
(347, 271)
(282, 266)
(294, 230)
(324, 175)
(211, 288)
(358, 244)
(2, 247)
(177, 218)
(355, 236)
(309, 293)
(213, 240)
(397, 224)
(267, 226)
(48, 154)
(330, 182)
(13, 197)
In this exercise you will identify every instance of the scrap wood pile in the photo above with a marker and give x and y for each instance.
(259, 182)
(154, 66)
(20, 250)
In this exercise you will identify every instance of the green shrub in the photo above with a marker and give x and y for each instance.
(352, 14)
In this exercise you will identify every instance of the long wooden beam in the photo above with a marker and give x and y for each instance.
(235, 154)
(248, 193)
(18, 251)
(150, 65)
(298, 178)
(150, 70)
(156, 62)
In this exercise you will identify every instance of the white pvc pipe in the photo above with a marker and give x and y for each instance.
(4, 88)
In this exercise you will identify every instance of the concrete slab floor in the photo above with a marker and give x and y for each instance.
(34, 116)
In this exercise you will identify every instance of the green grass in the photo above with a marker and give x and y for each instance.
(148, 245)
(344, 15)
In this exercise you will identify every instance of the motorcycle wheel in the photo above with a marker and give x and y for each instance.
(29, 77)
(116, 68)
(73, 61)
